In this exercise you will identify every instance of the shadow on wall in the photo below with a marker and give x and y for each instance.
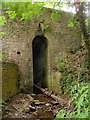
(40, 54)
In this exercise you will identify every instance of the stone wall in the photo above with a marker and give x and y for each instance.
(17, 46)
(9, 80)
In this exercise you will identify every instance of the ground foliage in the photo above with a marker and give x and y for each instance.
(75, 81)
(74, 75)
(80, 106)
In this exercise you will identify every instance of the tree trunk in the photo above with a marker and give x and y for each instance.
(85, 31)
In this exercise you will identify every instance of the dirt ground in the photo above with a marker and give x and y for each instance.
(32, 106)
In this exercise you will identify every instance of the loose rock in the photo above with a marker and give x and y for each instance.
(39, 103)
(33, 94)
(26, 109)
(16, 114)
(26, 103)
(32, 109)
(47, 104)
(31, 99)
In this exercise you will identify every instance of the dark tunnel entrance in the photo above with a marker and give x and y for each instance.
(40, 49)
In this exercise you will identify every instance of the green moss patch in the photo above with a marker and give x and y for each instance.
(9, 80)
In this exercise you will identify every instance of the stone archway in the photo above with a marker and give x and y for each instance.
(40, 50)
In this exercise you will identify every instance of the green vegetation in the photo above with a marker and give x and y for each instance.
(2, 20)
(54, 15)
(24, 10)
(2, 57)
(2, 104)
(29, 11)
(45, 26)
(74, 67)
(2, 33)
(80, 106)
(74, 80)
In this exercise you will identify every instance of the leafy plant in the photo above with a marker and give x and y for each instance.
(54, 15)
(80, 107)
(25, 10)
(71, 70)
(12, 14)
(2, 56)
(72, 22)
(2, 104)
(2, 20)
(45, 26)
(2, 33)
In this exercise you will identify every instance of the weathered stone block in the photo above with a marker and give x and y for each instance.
(9, 80)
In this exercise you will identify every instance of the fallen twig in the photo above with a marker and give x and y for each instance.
(49, 93)
(16, 108)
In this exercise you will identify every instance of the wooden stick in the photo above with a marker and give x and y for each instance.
(48, 93)
(15, 107)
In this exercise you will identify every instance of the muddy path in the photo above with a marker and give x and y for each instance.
(31, 106)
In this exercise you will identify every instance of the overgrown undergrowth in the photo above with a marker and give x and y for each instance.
(74, 80)
(80, 107)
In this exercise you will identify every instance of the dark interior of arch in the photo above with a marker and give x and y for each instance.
(39, 47)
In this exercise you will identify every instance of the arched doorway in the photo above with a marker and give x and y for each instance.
(40, 50)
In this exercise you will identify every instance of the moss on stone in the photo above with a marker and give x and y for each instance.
(9, 80)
